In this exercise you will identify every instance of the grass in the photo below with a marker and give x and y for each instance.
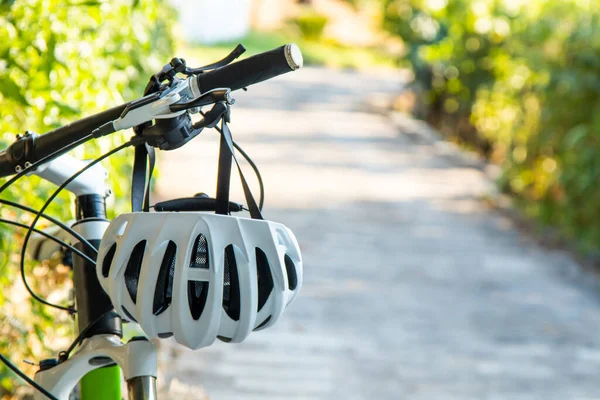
(322, 52)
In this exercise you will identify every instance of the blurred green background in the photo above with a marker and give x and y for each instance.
(519, 82)
(516, 81)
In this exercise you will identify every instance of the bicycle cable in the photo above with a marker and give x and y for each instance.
(51, 237)
(66, 228)
(64, 355)
(69, 309)
(256, 171)
(252, 164)
(27, 379)
(31, 228)
(43, 160)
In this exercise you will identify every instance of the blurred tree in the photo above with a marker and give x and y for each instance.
(443, 46)
(60, 61)
(541, 113)
(520, 81)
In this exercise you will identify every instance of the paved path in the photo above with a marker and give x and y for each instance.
(413, 289)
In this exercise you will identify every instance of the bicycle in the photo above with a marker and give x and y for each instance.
(236, 276)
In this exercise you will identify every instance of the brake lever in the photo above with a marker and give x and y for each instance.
(238, 51)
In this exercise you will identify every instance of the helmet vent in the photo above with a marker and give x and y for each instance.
(107, 262)
(164, 285)
(224, 339)
(197, 294)
(231, 285)
(200, 253)
(291, 273)
(266, 321)
(132, 271)
(264, 278)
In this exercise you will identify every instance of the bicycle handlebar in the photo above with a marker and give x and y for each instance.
(255, 69)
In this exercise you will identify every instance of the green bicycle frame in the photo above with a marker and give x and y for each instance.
(102, 384)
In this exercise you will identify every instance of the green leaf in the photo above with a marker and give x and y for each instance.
(6, 383)
(5, 5)
(575, 135)
(65, 109)
(12, 91)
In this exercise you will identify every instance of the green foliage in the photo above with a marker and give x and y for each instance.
(525, 77)
(61, 61)
(311, 24)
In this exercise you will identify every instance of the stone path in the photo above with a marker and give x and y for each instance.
(413, 288)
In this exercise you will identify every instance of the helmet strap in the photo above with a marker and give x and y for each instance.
(143, 166)
(226, 155)
(143, 161)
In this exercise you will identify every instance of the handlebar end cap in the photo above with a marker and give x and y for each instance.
(293, 56)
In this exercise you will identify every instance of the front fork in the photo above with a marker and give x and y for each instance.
(137, 358)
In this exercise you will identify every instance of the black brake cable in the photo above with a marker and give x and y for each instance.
(27, 379)
(51, 237)
(254, 167)
(70, 309)
(256, 171)
(42, 161)
(71, 231)
(64, 355)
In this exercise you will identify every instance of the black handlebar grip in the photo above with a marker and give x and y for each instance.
(251, 70)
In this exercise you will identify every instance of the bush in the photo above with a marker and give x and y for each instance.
(520, 81)
(448, 56)
(60, 61)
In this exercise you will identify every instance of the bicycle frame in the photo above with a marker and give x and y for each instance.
(96, 363)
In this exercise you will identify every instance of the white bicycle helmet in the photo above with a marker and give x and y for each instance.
(198, 276)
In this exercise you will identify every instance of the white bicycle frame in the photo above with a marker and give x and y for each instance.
(137, 358)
